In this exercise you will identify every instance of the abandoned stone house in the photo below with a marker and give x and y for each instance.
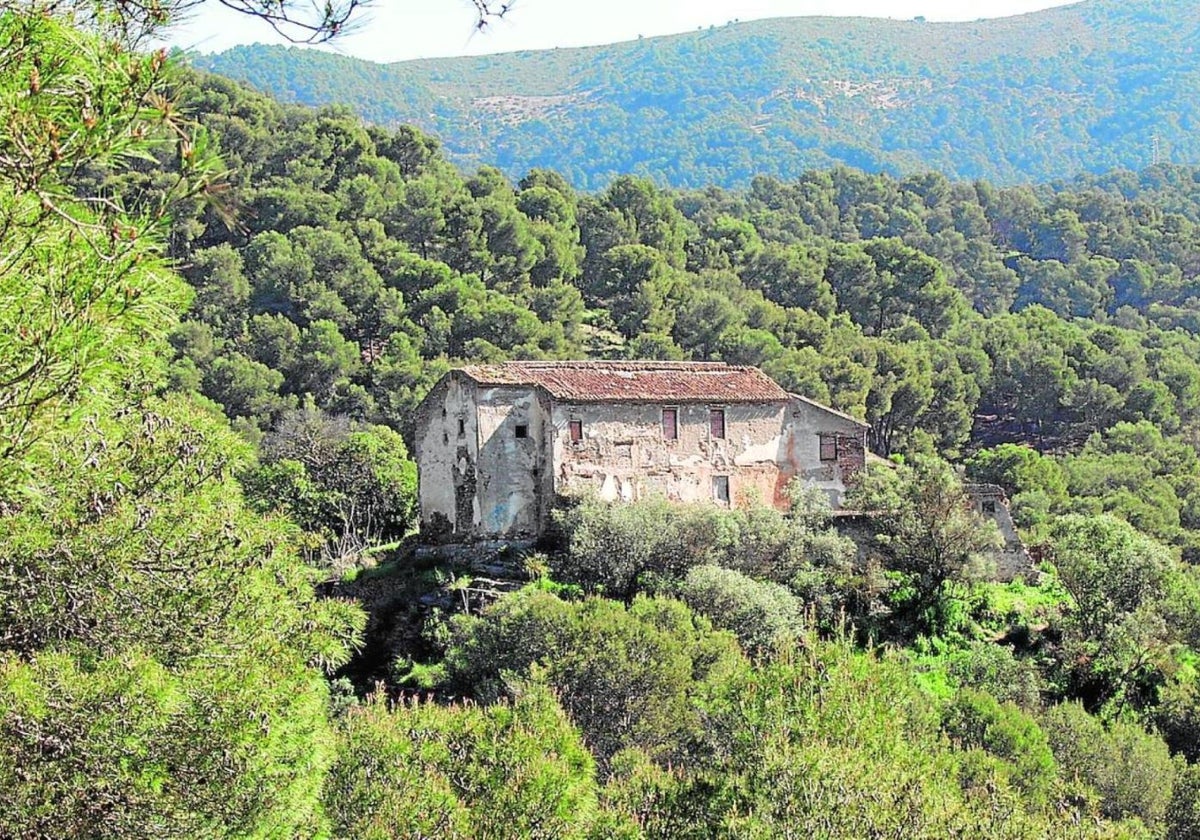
(497, 444)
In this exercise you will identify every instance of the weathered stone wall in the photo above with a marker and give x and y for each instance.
(492, 459)
(624, 456)
(477, 478)
(1012, 559)
(808, 422)
(511, 499)
(447, 450)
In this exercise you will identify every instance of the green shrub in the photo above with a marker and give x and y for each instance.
(619, 549)
(423, 770)
(760, 614)
(626, 675)
(1178, 715)
(608, 547)
(1183, 816)
(994, 668)
(1129, 768)
(976, 719)
(352, 484)
(831, 742)
(645, 800)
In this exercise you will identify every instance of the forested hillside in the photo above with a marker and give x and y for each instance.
(213, 621)
(1083, 88)
(952, 316)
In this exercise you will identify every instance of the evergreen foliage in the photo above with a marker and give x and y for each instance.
(165, 659)
(366, 265)
(420, 770)
(162, 649)
(1091, 86)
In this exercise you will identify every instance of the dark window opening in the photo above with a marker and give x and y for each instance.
(462, 426)
(989, 507)
(445, 439)
(829, 447)
(670, 424)
(522, 431)
(716, 423)
(575, 429)
(721, 488)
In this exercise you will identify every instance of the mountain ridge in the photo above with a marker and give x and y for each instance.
(1084, 87)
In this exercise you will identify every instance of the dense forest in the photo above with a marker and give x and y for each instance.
(218, 314)
(1088, 87)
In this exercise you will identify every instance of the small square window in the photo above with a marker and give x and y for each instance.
(720, 484)
(522, 430)
(670, 424)
(829, 447)
(575, 430)
(716, 423)
(988, 507)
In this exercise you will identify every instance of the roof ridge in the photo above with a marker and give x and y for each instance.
(641, 364)
(602, 380)
(830, 409)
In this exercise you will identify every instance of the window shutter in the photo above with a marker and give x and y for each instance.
(670, 424)
(716, 423)
(828, 447)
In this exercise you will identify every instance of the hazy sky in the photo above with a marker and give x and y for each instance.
(395, 30)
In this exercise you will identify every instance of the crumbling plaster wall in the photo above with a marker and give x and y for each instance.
(492, 459)
(624, 456)
(447, 454)
(512, 501)
(807, 423)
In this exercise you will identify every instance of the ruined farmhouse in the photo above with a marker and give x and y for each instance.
(497, 444)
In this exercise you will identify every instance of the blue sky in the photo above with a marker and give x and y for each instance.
(396, 30)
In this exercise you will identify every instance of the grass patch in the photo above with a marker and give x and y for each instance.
(1004, 606)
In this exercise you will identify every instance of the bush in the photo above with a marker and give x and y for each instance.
(354, 485)
(1183, 818)
(124, 747)
(626, 675)
(618, 549)
(929, 535)
(760, 614)
(642, 800)
(1178, 716)
(993, 668)
(827, 741)
(976, 719)
(423, 770)
(1129, 768)
(608, 547)
(1132, 605)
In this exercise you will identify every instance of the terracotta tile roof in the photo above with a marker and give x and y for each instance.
(593, 381)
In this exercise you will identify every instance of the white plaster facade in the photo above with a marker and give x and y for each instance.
(497, 444)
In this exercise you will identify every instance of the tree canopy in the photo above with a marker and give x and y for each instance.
(208, 369)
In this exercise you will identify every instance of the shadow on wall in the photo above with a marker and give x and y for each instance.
(512, 462)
